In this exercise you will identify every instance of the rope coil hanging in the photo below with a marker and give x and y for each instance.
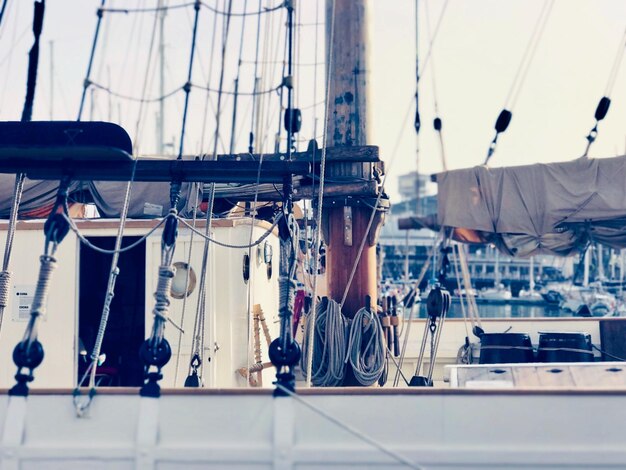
(366, 347)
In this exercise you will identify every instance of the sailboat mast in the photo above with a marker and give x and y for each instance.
(347, 126)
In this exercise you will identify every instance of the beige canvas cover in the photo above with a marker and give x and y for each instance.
(555, 208)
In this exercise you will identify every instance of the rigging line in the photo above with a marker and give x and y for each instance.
(346, 427)
(373, 215)
(530, 50)
(201, 303)
(236, 91)
(256, 84)
(31, 84)
(4, 6)
(504, 118)
(207, 95)
(187, 86)
(145, 87)
(415, 305)
(522, 79)
(616, 66)
(605, 102)
(239, 93)
(135, 98)
(433, 38)
(455, 261)
(147, 10)
(316, 58)
(320, 198)
(113, 272)
(258, 241)
(90, 65)
(244, 13)
(122, 249)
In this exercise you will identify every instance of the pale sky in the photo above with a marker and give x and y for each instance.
(476, 55)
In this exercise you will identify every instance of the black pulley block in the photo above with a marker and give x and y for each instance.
(293, 120)
(288, 357)
(28, 356)
(438, 302)
(603, 108)
(155, 354)
(503, 121)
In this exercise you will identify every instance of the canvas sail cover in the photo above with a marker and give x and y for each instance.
(555, 208)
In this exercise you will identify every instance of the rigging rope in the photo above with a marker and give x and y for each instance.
(31, 84)
(187, 86)
(244, 13)
(329, 332)
(605, 102)
(504, 118)
(375, 443)
(4, 6)
(367, 361)
(237, 78)
(91, 57)
(135, 98)
(320, 199)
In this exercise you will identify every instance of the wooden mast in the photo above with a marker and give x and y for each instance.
(346, 218)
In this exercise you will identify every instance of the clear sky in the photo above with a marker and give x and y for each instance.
(476, 55)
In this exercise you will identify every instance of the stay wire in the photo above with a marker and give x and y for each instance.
(256, 83)
(233, 130)
(244, 13)
(320, 197)
(187, 86)
(18, 189)
(90, 64)
(374, 443)
(136, 98)
(616, 66)
(4, 6)
(504, 118)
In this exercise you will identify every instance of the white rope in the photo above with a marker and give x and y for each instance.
(462, 298)
(196, 189)
(415, 306)
(394, 455)
(367, 361)
(5, 274)
(115, 251)
(38, 307)
(327, 368)
(320, 199)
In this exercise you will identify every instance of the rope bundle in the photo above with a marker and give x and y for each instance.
(367, 361)
(329, 345)
(337, 342)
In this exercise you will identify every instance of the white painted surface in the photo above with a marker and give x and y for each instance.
(436, 431)
(226, 317)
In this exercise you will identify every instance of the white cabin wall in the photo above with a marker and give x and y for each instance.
(57, 330)
(227, 324)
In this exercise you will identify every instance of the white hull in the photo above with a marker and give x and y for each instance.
(435, 429)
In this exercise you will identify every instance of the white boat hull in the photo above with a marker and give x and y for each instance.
(434, 429)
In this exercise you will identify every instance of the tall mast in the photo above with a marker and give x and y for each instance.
(348, 126)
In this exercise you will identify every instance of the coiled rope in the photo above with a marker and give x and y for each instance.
(366, 348)
(329, 332)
